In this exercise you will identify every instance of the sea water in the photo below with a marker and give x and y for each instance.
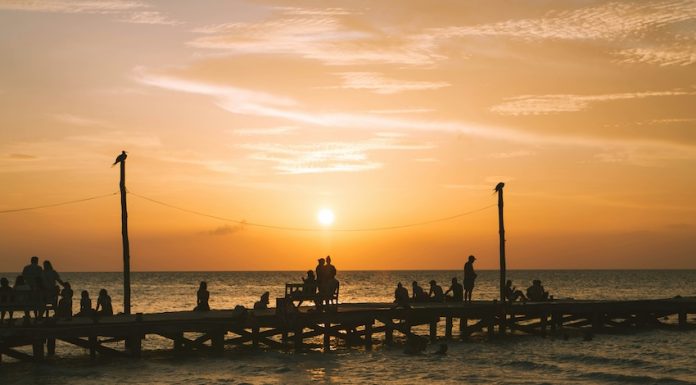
(648, 357)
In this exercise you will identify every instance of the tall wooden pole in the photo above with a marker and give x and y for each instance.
(501, 230)
(126, 245)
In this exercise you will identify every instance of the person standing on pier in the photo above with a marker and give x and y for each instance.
(469, 278)
(322, 277)
(32, 272)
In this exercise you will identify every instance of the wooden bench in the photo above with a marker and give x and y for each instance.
(295, 292)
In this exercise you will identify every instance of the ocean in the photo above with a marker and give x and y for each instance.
(646, 357)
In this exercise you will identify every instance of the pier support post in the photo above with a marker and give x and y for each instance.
(368, 335)
(178, 341)
(682, 320)
(433, 331)
(51, 347)
(255, 336)
(448, 327)
(38, 349)
(543, 323)
(218, 341)
(327, 337)
(389, 332)
(556, 321)
(597, 322)
(490, 321)
(135, 345)
(92, 347)
(298, 338)
(463, 324)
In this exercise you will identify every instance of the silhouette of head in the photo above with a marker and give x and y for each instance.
(321, 261)
(471, 258)
(536, 282)
(508, 283)
(397, 285)
(433, 283)
(47, 265)
(4, 282)
(34, 260)
(203, 285)
(264, 297)
(310, 274)
(85, 294)
(454, 280)
(103, 293)
(67, 285)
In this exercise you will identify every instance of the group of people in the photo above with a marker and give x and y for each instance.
(320, 284)
(40, 290)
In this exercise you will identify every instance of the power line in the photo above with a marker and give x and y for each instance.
(57, 204)
(285, 228)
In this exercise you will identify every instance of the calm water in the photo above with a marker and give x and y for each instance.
(646, 357)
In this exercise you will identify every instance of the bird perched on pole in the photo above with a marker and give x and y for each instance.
(120, 158)
(499, 187)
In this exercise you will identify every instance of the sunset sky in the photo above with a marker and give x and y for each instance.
(388, 113)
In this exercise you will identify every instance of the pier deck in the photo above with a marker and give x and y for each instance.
(355, 324)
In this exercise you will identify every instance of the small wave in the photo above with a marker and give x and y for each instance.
(632, 362)
(524, 364)
(631, 378)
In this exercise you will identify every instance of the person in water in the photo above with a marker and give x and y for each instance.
(202, 297)
(435, 294)
(104, 307)
(512, 294)
(469, 278)
(457, 291)
(262, 304)
(401, 297)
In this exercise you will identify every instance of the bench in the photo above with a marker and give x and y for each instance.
(295, 292)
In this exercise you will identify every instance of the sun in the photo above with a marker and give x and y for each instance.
(325, 217)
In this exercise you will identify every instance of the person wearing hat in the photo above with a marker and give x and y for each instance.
(469, 278)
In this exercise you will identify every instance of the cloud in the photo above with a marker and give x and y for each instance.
(402, 111)
(557, 103)
(227, 229)
(609, 21)
(317, 34)
(678, 55)
(148, 17)
(281, 130)
(18, 156)
(68, 6)
(327, 156)
(378, 84)
(82, 121)
(511, 154)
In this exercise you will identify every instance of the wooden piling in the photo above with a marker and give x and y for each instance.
(92, 347)
(433, 331)
(682, 320)
(51, 346)
(327, 337)
(368, 335)
(389, 332)
(38, 349)
(124, 235)
(463, 330)
(543, 323)
(448, 327)
(297, 336)
(255, 336)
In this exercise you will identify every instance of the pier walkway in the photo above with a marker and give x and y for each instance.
(352, 324)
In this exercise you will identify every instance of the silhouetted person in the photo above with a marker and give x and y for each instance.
(401, 297)
(104, 307)
(5, 298)
(21, 293)
(469, 278)
(32, 271)
(512, 294)
(262, 304)
(202, 297)
(417, 293)
(435, 294)
(50, 278)
(331, 281)
(322, 275)
(309, 284)
(85, 305)
(536, 292)
(65, 302)
(457, 291)
(38, 298)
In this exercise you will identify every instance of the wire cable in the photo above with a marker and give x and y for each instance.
(285, 228)
(57, 204)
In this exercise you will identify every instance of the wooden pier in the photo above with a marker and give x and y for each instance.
(358, 324)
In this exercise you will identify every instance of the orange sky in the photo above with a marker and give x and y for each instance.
(268, 111)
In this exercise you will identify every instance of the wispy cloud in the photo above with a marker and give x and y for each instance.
(511, 154)
(272, 131)
(148, 17)
(379, 84)
(18, 156)
(556, 103)
(327, 156)
(402, 111)
(82, 121)
(678, 55)
(608, 21)
(226, 230)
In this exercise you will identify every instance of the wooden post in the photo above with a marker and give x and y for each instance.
(501, 230)
(218, 341)
(298, 338)
(543, 322)
(388, 332)
(255, 336)
(51, 346)
(448, 327)
(463, 323)
(124, 235)
(682, 320)
(491, 326)
(178, 341)
(597, 321)
(368, 335)
(92, 347)
(327, 337)
(433, 331)
(38, 349)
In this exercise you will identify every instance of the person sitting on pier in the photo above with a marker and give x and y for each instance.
(457, 291)
(104, 307)
(202, 297)
(435, 294)
(417, 293)
(5, 299)
(21, 293)
(401, 297)
(536, 292)
(513, 295)
(469, 278)
(309, 284)
(85, 305)
(262, 304)
(65, 302)
(32, 271)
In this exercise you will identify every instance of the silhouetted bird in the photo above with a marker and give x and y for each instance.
(120, 158)
(499, 186)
